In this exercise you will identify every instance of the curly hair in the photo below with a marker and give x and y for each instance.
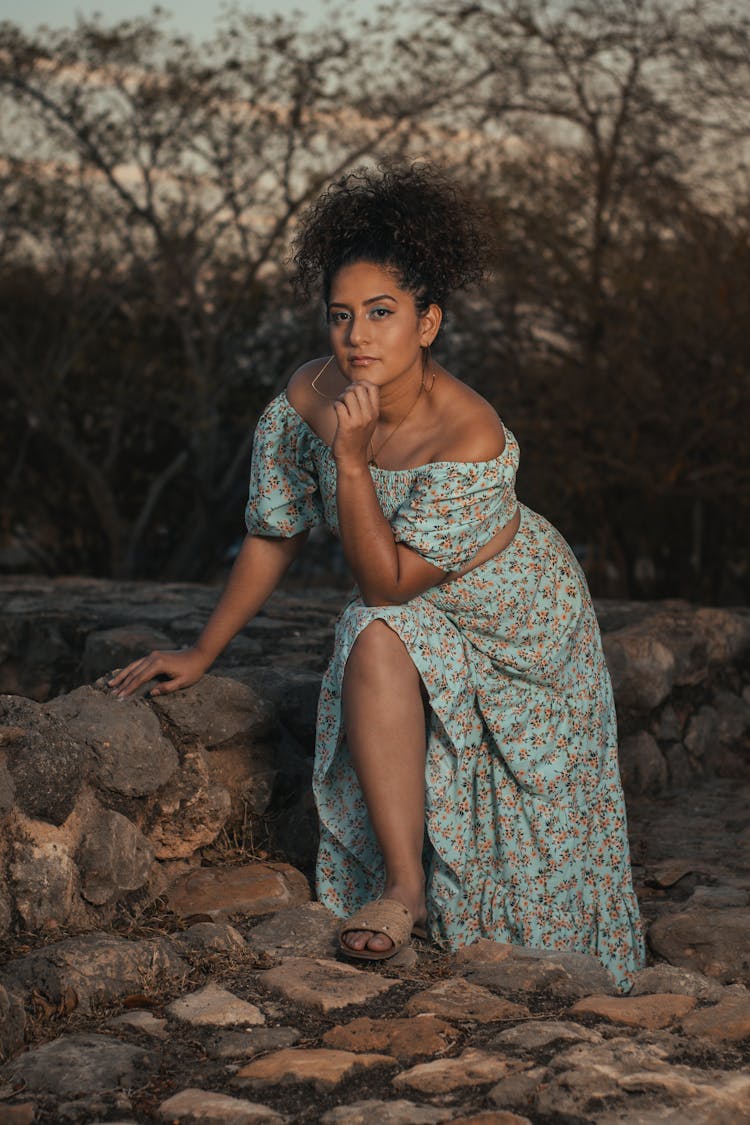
(412, 220)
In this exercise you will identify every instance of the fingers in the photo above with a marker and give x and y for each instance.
(138, 673)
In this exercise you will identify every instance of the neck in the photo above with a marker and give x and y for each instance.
(397, 398)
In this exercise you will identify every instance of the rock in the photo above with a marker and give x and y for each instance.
(92, 969)
(519, 1090)
(22, 1114)
(47, 763)
(491, 1117)
(715, 942)
(727, 634)
(322, 985)
(399, 1112)
(191, 810)
(12, 1022)
(404, 1039)
(247, 773)
(538, 1034)
(566, 976)
(725, 1022)
(680, 771)
(210, 937)
(672, 978)
(247, 1044)
(256, 888)
(216, 711)
(667, 727)
(114, 857)
(42, 875)
(632, 1080)
(457, 999)
(642, 668)
(309, 930)
(139, 1020)
(733, 716)
(213, 1006)
(77, 1065)
(108, 649)
(471, 1068)
(7, 788)
(702, 732)
(719, 895)
(295, 697)
(201, 1107)
(642, 765)
(323, 1067)
(132, 756)
(657, 1010)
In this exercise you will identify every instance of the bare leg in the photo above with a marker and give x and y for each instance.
(385, 729)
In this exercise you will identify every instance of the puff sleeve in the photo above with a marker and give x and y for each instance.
(284, 496)
(454, 508)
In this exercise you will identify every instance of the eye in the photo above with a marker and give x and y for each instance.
(338, 316)
(380, 313)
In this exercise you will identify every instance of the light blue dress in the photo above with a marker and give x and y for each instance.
(526, 836)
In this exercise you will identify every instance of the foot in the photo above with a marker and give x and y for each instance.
(414, 901)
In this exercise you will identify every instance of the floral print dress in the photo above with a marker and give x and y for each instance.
(526, 836)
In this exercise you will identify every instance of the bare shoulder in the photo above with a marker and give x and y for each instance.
(299, 388)
(470, 427)
(311, 396)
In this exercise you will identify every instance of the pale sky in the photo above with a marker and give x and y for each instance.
(196, 17)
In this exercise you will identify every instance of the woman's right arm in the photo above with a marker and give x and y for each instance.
(257, 571)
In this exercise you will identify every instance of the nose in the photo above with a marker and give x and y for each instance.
(358, 330)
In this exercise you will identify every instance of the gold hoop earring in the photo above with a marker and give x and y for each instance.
(428, 369)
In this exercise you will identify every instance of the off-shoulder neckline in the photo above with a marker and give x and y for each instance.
(509, 441)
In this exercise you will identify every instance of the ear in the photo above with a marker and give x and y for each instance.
(429, 325)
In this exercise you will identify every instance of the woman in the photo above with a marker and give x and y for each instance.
(467, 692)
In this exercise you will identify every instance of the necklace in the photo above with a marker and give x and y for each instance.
(375, 453)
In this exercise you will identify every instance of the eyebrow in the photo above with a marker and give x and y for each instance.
(369, 301)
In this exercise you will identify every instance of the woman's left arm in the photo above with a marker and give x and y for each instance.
(386, 572)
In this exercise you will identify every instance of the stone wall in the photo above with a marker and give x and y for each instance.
(104, 802)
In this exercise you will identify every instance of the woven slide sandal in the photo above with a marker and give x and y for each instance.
(383, 916)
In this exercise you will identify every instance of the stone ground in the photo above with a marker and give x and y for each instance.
(259, 1020)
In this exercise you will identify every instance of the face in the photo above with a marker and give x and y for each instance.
(375, 330)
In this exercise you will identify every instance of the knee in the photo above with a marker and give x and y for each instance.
(378, 648)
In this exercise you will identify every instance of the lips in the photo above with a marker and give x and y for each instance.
(361, 360)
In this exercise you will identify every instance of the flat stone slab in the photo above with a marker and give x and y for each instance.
(140, 1020)
(255, 888)
(725, 1022)
(324, 986)
(673, 978)
(459, 1000)
(210, 937)
(491, 1117)
(649, 1012)
(201, 1107)
(248, 1044)
(309, 930)
(517, 969)
(322, 1066)
(78, 1065)
(404, 1039)
(537, 1034)
(472, 1068)
(399, 1112)
(213, 1006)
